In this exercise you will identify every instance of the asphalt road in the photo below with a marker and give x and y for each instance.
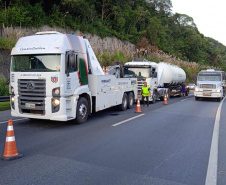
(165, 145)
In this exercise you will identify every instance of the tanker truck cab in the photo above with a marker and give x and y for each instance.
(163, 79)
(144, 71)
(210, 84)
(49, 79)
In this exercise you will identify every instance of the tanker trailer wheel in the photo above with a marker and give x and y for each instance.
(168, 94)
(82, 110)
(154, 97)
(130, 100)
(124, 104)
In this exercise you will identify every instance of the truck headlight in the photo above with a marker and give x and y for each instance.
(56, 92)
(12, 99)
(218, 90)
(56, 102)
(11, 90)
(196, 89)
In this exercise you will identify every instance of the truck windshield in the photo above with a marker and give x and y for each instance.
(36, 63)
(136, 72)
(203, 77)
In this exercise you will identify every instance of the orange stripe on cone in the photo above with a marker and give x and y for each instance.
(165, 100)
(103, 68)
(10, 151)
(138, 109)
(107, 70)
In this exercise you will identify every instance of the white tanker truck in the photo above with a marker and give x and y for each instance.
(161, 78)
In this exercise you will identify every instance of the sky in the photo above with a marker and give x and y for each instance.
(209, 16)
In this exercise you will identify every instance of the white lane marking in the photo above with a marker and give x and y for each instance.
(13, 120)
(121, 122)
(183, 99)
(211, 176)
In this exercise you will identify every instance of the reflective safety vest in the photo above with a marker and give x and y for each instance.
(145, 91)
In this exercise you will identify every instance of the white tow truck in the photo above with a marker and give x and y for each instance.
(162, 78)
(57, 76)
(210, 84)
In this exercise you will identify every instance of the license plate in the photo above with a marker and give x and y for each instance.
(30, 105)
(206, 94)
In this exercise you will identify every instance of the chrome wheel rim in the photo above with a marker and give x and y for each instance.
(82, 111)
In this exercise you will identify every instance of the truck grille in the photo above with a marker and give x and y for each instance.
(32, 95)
(208, 86)
(139, 85)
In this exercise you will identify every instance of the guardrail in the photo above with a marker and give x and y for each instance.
(4, 98)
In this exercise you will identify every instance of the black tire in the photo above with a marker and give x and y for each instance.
(82, 110)
(34, 119)
(168, 94)
(219, 99)
(124, 104)
(196, 98)
(154, 98)
(130, 100)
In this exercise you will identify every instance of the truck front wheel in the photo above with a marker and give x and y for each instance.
(82, 110)
(196, 98)
(123, 106)
(219, 99)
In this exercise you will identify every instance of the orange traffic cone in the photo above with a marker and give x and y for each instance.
(138, 109)
(107, 70)
(165, 100)
(10, 151)
(103, 68)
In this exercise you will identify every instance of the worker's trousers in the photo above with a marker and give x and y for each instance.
(145, 98)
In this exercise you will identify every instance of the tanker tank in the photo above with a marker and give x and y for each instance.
(170, 75)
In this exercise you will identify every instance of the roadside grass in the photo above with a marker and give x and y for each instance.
(4, 106)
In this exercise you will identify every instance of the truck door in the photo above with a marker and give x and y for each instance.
(71, 71)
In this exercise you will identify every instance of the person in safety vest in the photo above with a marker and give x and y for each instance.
(145, 92)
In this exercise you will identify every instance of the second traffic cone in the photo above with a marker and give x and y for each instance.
(103, 68)
(10, 151)
(107, 70)
(165, 100)
(138, 109)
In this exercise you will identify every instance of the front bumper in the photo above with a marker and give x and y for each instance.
(208, 94)
(66, 111)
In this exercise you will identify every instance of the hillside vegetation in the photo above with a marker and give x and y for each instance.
(130, 20)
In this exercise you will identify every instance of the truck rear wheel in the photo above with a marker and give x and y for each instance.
(124, 104)
(168, 95)
(82, 110)
(130, 100)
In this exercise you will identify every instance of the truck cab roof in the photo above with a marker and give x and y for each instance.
(49, 42)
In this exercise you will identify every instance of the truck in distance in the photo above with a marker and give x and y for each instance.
(57, 76)
(162, 78)
(210, 84)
